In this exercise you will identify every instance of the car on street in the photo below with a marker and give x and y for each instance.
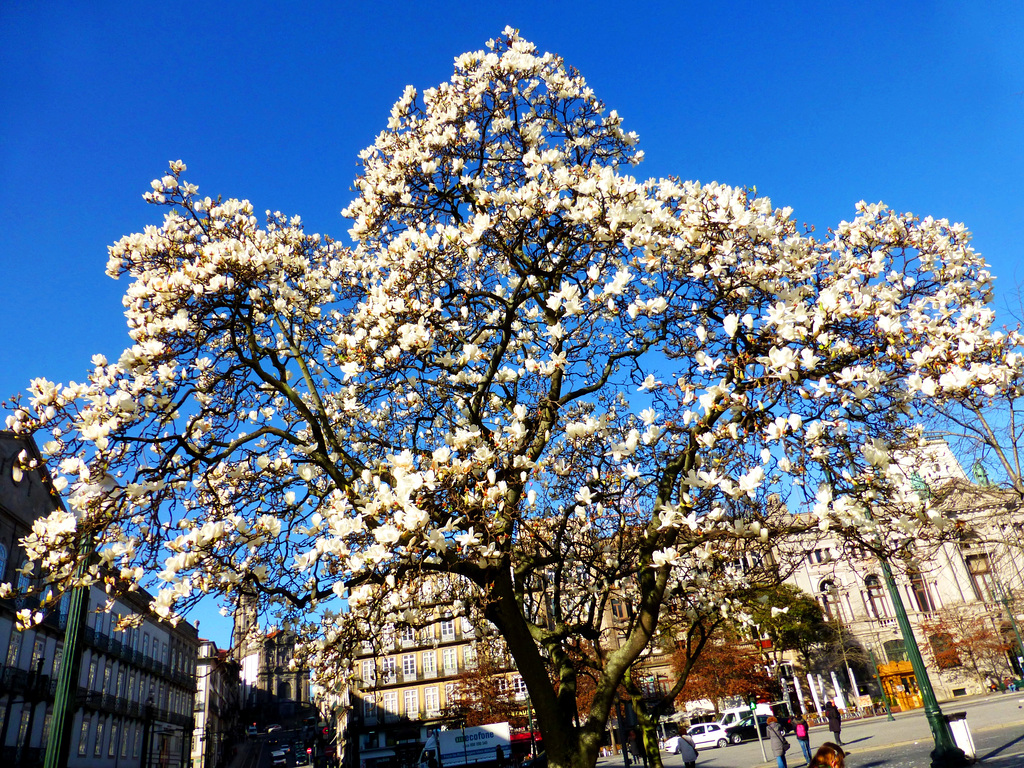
(273, 728)
(744, 730)
(706, 735)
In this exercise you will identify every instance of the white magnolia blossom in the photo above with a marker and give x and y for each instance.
(529, 371)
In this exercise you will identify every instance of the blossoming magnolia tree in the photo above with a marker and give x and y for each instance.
(532, 377)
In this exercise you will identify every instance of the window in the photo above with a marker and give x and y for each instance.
(14, 648)
(620, 610)
(91, 680)
(46, 727)
(895, 650)
(409, 665)
(137, 741)
(391, 704)
(829, 597)
(922, 595)
(112, 749)
(981, 576)
(106, 677)
(448, 629)
(450, 661)
(408, 635)
(518, 685)
(412, 704)
(449, 693)
(431, 700)
(369, 673)
(58, 657)
(388, 669)
(946, 656)
(3, 562)
(369, 708)
(875, 600)
(430, 662)
(83, 736)
(23, 726)
(38, 652)
(97, 749)
(818, 556)
(124, 741)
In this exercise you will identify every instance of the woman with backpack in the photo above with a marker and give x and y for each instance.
(803, 735)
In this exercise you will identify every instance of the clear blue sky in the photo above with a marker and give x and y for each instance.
(920, 105)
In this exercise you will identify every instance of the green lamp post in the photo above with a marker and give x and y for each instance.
(946, 753)
(58, 744)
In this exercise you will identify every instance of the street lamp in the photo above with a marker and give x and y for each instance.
(147, 731)
(946, 753)
(58, 743)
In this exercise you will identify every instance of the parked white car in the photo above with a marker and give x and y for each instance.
(704, 735)
(708, 735)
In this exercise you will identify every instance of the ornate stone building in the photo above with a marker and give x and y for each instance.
(272, 687)
(962, 596)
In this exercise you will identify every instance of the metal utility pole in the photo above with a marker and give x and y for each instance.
(58, 743)
(946, 753)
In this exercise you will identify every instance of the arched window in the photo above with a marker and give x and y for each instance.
(876, 606)
(284, 691)
(895, 650)
(829, 596)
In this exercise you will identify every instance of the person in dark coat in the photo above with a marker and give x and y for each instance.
(835, 721)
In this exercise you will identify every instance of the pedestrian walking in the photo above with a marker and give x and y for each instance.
(835, 721)
(829, 755)
(803, 735)
(779, 743)
(686, 749)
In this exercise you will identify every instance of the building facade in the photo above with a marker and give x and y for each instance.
(134, 696)
(408, 685)
(274, 685)
(217, 724)
(963, 597)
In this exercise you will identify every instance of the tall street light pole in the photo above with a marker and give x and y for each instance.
(58, 743)
(946, 753)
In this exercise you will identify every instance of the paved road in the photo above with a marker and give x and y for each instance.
(996, 723)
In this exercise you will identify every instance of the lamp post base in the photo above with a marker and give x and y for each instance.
(946, 753)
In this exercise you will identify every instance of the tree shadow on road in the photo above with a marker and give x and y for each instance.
(995, 752)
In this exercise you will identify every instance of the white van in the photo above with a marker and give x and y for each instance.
(733, 716)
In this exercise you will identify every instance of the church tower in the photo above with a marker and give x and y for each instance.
(246, 625)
